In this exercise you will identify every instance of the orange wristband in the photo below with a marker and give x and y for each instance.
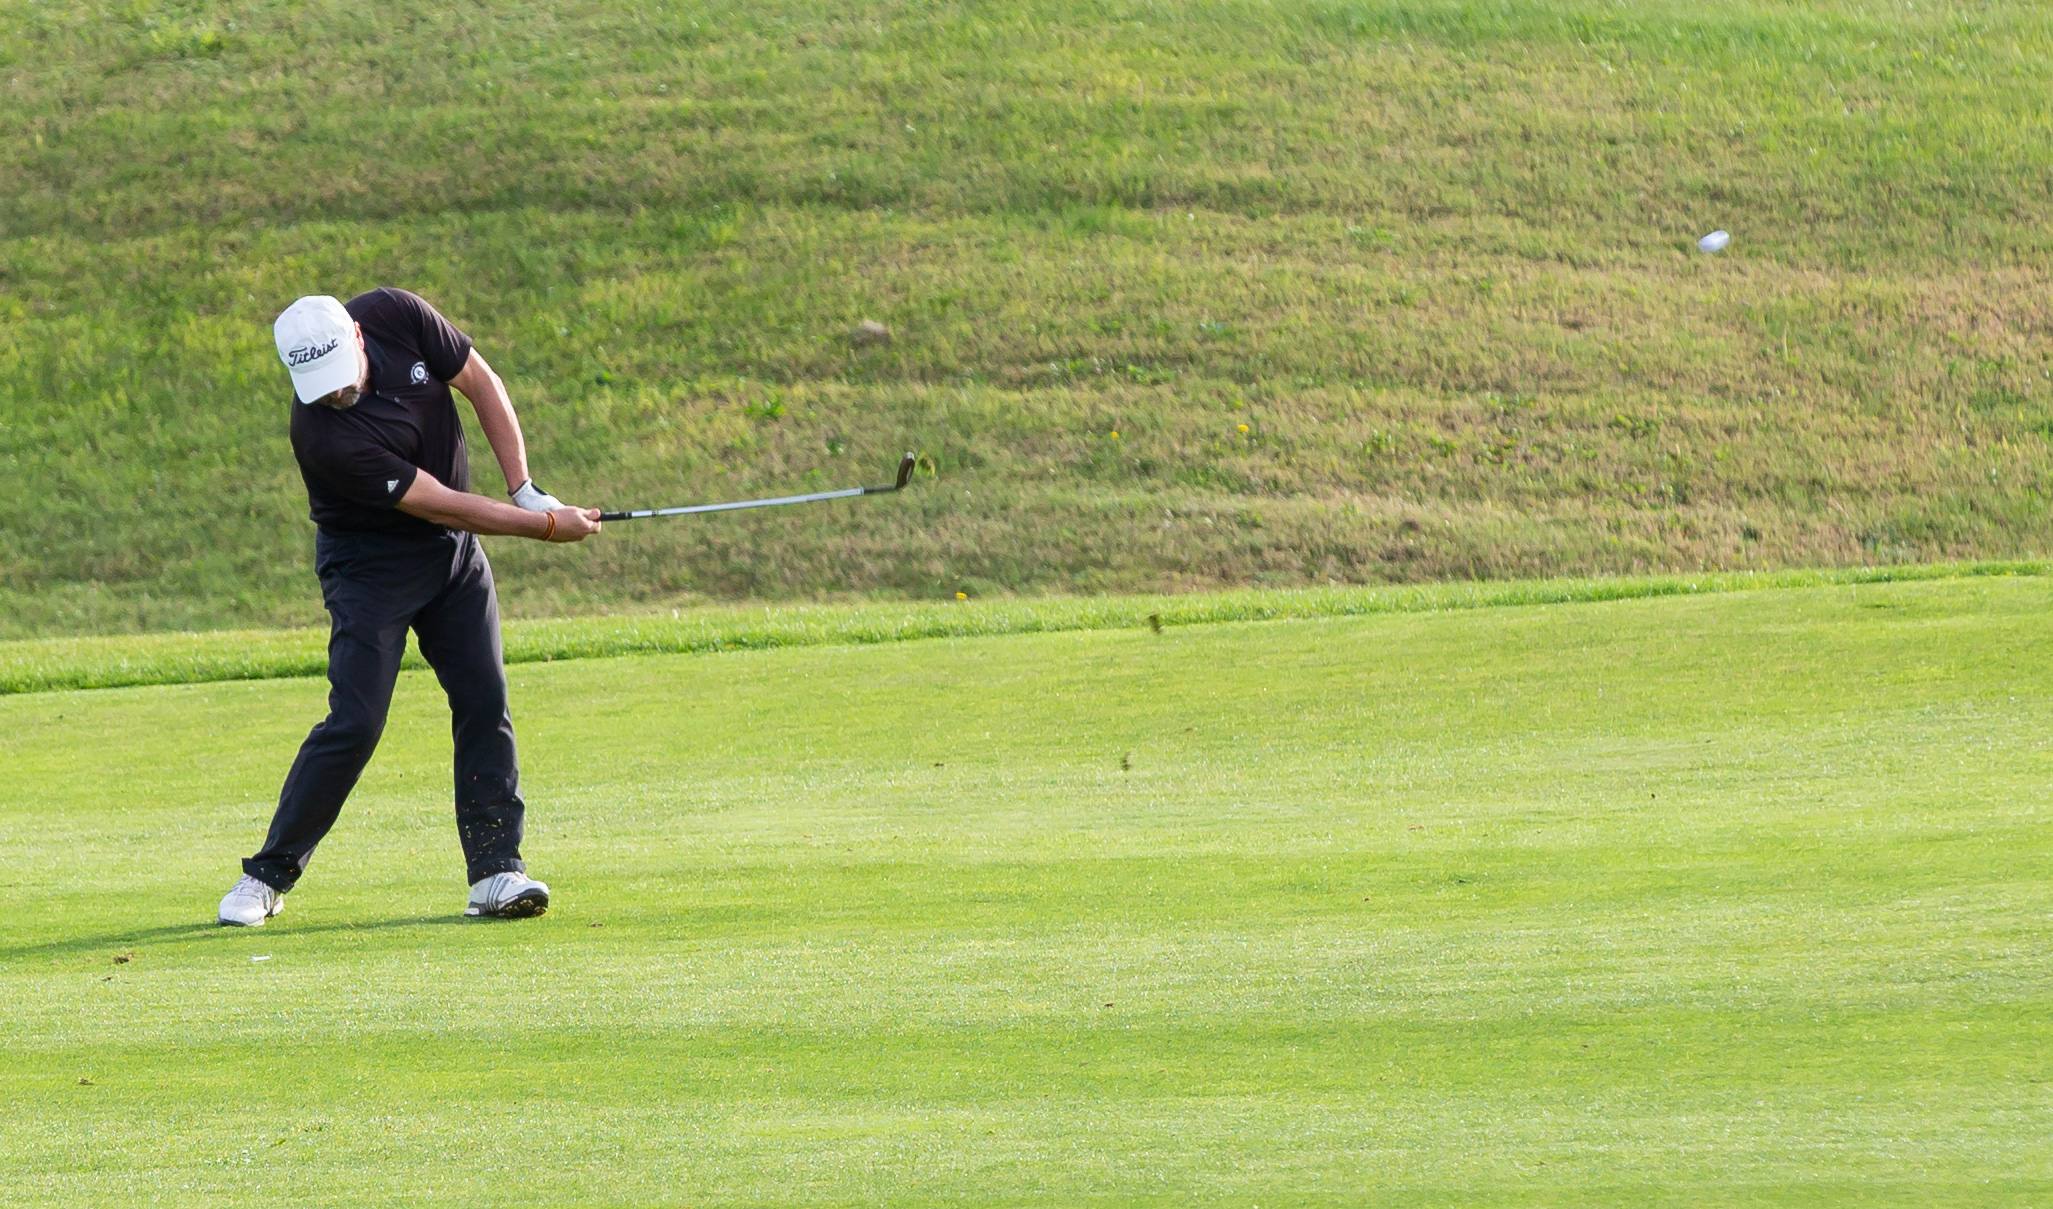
(551, 530)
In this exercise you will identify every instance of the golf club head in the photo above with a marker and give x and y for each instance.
(904, 473)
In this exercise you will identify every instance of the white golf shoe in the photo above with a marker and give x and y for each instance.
(508, 896)
(250, 903)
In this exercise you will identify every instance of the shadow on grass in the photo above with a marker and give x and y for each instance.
(130, 937)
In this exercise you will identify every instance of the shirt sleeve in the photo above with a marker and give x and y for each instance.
(443, 345)
(360, 470)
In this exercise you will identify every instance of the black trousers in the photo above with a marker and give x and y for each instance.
(376, 588)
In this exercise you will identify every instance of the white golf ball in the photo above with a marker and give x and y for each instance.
(1714, 242)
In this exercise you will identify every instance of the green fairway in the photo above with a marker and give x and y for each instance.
(1720, 899)
(1213, 293)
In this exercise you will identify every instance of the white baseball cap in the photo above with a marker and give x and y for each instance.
(317, 341)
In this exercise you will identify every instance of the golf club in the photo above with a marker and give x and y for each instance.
(904, 476)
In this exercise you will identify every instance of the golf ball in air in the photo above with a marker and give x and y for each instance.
(1714, 242)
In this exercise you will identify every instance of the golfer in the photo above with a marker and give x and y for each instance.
(381, 449)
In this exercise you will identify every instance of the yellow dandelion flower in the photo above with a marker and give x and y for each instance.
(1241, 429)
(962, 596)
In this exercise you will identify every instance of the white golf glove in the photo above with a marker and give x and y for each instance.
(534, 499)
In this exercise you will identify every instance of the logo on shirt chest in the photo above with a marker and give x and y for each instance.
(419, 374)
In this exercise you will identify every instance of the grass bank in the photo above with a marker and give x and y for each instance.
(1205, 295)
(44, 665)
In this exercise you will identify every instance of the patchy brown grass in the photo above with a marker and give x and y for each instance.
(1369, 292)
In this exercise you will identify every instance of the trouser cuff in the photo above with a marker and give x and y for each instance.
(278, 877)
(506, 864)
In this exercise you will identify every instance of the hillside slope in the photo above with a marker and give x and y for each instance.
(1193, 295)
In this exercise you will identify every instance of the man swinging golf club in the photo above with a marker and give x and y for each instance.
(381, 449)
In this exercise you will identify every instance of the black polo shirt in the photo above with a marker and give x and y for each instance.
(358, 462)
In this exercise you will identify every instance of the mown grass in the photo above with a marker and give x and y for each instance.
(52, 664)
(1368, 291)
(1723, 899)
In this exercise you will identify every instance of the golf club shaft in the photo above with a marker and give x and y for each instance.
(734, 506)
(904, 475)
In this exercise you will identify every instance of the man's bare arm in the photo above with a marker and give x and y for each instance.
(431, 501)
(487, 395)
